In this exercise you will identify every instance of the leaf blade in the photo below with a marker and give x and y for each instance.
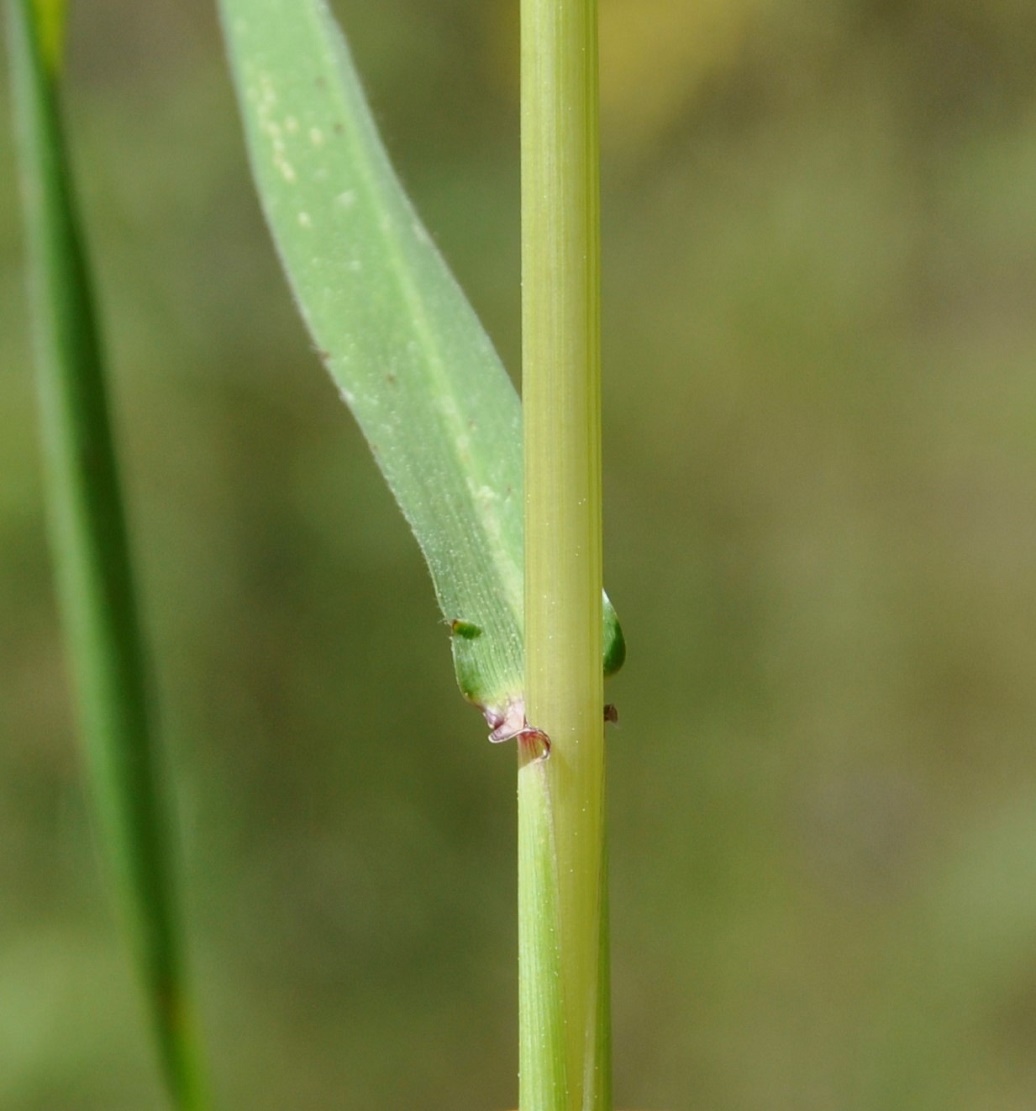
(393, 328)
(93, 568)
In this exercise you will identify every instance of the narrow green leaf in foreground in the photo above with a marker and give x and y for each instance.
(91, 552)
(397, 334)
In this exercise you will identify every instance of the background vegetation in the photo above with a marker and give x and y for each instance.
(820, 345)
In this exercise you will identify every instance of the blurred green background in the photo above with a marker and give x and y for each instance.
(820, 349)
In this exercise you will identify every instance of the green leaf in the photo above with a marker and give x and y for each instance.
(395, 331)
(91, 551)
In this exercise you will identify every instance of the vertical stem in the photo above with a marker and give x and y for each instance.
(91, 549)
(564, 1050)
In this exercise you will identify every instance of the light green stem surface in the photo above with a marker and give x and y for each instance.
(565, 1028)
(91, 551)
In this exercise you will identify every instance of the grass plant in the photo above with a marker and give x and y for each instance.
(819, 236)
(514, 550)
(446, 428)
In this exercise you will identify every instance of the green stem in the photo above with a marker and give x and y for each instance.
(563, 994)
(91, 551)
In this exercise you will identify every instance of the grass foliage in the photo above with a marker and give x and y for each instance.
(819, 345)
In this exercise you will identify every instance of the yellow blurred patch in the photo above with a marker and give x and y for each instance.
(655, 54)
(50, 25)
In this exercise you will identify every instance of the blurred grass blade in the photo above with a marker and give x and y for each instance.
(91, 552)
(397, 334)
(50, 30)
